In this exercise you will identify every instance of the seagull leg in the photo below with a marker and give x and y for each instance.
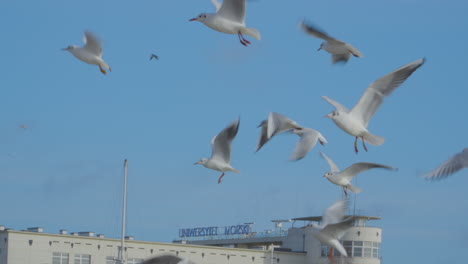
(242, 40)
(102, 70)
(345, 192)
(321, 143)
(330, 255)
(220, 177)
(364, 144)
(355, 145)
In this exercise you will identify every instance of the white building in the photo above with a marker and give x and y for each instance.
(237, 245)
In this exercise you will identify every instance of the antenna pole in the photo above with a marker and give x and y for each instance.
(124, 215)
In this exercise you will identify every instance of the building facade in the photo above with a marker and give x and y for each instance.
(240, 245)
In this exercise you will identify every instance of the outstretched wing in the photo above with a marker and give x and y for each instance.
(340, 58)
(167, 259)
(337, 105)
(221, 143)
(233, 10)
(263, 135)
(337, 230)
(314, 31)
(307, 141)
(278, 123)
(449, 167)
(217, 4)
(335, 213)
(373, 96)
(357, 168)
(92, 44)
(333, 167)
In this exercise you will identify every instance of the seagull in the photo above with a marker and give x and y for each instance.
(229, 18)
(90, 53)
(275, 124)
(154, 56)
(221, 150)
(333, 226)
(356, 120)
(455, 163)
(309, 138)
(343, 178)
(167, 259)
(341, 51)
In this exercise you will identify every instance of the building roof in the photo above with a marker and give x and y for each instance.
(319, 218)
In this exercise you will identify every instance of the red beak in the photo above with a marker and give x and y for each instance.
(193, 19)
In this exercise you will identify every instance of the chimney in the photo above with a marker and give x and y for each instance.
(35, 229)
(63, 232)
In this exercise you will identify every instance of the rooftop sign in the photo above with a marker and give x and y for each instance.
(214, 231)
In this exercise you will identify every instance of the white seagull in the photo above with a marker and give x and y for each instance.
(309, 138)
(90, 53)
(333, 226)
(340, 51)
(229, 18)
(455, 163)
(221, 150)
(167, 259)
(275, 124)
(356, 120)
(343, 178)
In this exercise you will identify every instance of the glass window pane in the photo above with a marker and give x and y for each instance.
(367, 252)
(324, 251)
(358, 243)
(357, 252)
(347, 243)
(349, 251)
(367, 244)
(375, 244)
(375, 253)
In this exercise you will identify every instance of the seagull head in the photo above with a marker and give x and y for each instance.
(333, 114)
(328, 174)
(201, 17)
(71, 47)
(201, 161)
(322, 46)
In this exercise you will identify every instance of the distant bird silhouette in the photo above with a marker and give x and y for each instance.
(154, 56)
(455, 163)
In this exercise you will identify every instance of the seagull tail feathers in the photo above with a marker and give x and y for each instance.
(252, 32)
(373, 139)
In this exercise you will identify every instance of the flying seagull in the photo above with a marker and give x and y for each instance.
(309, 138)
(167, 259)
(154, 56)
(221, 150)
(340, 51)
(455, 163)
(90, 53)
(343, 178)
(229, 18)
(274, 125)
(356, 120)
(333, 226)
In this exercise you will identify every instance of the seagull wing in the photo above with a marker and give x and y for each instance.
(333, 167)
(164, 259)
(308, 139)
(233, 10)
(92, 44)
(373, 96)
(337, 105)
(221, 143)
(357, 168)
(263, 135)
(314, 31)
(449, 167)
(217, 4)
(337, 230)
(278, 123)
(335, 213)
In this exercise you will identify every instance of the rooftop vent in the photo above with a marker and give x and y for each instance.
(63, 232)
(35, 229)
(2, 228)
(100, 235)
(88, 234)
(74, 234)
(129, 238)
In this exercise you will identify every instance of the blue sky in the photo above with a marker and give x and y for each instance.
(64, 171)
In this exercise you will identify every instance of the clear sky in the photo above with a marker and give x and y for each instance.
(64, 171)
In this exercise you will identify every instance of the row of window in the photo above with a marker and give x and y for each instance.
(63, 258)
(364, 249)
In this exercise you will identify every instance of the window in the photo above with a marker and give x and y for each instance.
(59, 258)
(324, 250)
(357, 252)
(82, 259)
